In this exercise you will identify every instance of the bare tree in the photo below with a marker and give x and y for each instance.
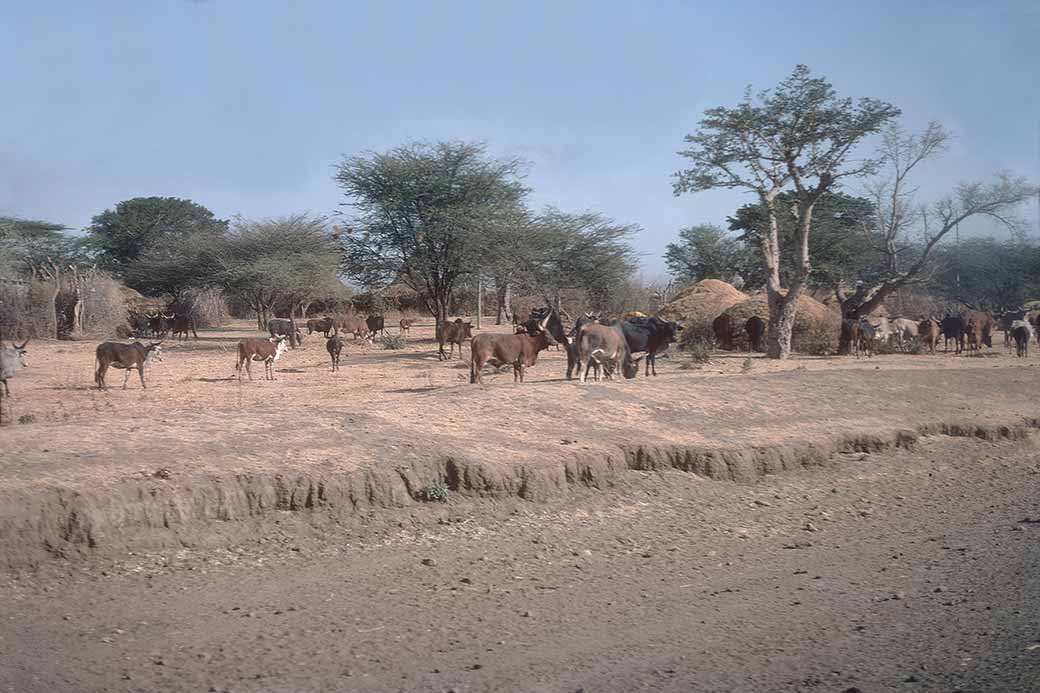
(905, 225)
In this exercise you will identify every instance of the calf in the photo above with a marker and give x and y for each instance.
(929, 330)
(125, 356)
(521, 350)
(723, 327)
(282, 326)
(180, 324)
(452, 333)
(756, 331)
(851, 335)
(1022, 332)
(868, 336)
(605, 346)
(406, 324)
(324, 325)
(334, 345)
(650, 335)
(259, 349)
(12, 359)
(953, 327)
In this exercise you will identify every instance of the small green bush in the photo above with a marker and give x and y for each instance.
(697, 345)
(437, 492)
(26, 419)
(393, 341)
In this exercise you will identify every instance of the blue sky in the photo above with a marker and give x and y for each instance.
(245, 107)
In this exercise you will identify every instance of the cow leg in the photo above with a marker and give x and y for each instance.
(126, 377)
(140, 372)
(249, 369)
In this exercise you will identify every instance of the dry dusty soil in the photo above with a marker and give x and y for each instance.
(819, 525)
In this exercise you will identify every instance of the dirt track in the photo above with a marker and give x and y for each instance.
(900, 571)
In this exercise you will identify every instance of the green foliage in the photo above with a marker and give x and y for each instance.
(393, 341)
(437, 492)
(998, 275)
(697, 345)
(843, 245)
(705, 251)
(421, 212)
(26, 419)
(120, 235)
(26, 244)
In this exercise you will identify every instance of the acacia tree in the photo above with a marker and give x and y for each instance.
(908, 231)
(420, 212)
(119, 235)
(288, 261)
(800, 136)
(704, 251)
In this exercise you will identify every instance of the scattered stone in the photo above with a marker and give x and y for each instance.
(764, 504)
(810, 527)
(526, 614)
(429, 562)
(899, 596)
(911, 679)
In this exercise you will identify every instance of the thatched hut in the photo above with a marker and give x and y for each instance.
(816, 326)
(697, 305)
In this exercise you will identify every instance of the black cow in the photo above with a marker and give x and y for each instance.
(650, 335)
(375, 324)
(181, 324)
(954, 327)
(756, 331)
(282, 327)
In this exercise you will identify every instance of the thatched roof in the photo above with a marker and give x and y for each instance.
(813, 322)
(702, 302)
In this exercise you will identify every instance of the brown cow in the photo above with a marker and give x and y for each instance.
(929, 330)
(352, 324)
(521, 350)
(259, 349)
(453, 333)
(723, 328)
(406, 324)
(756, 330)
(334, 345)
(124, 356)
(980, 329)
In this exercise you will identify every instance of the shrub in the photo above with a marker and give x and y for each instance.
(26, 419)
(437, 492)
(393, 341)
(697, 345)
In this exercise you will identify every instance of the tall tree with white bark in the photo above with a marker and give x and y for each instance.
(798, 136)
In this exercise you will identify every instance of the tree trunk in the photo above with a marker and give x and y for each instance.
(504, 295)
(781, 325)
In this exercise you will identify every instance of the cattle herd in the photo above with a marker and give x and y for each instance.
(593, 344)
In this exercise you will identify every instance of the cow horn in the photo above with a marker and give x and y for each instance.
(638, 355)
(545, 321)
(19, 348)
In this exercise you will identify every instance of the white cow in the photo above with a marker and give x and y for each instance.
(903, 329)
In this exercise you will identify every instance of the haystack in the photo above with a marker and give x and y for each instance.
(702, 302)
(816, 326)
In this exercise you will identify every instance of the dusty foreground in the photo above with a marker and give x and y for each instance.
(902, 570)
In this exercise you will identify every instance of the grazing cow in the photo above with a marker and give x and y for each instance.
(521, 350)
(352, 324)
(723, 327)
(929, 330)
(334, 345)
(12, 359)
(883, 331)
(953, 327)
(125, 356)
(651, 335)
(1022, 332)
(756, 332)
(1004, 321)
(605, 346)
(375, 325)
(406, 324)
(282, 326)
(452, 333)
(904, 329)
(984, 324)
(180, 324)
(259, 349)
(324, 325)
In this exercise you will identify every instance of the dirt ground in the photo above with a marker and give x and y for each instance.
(901, 571)
(195, 416)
